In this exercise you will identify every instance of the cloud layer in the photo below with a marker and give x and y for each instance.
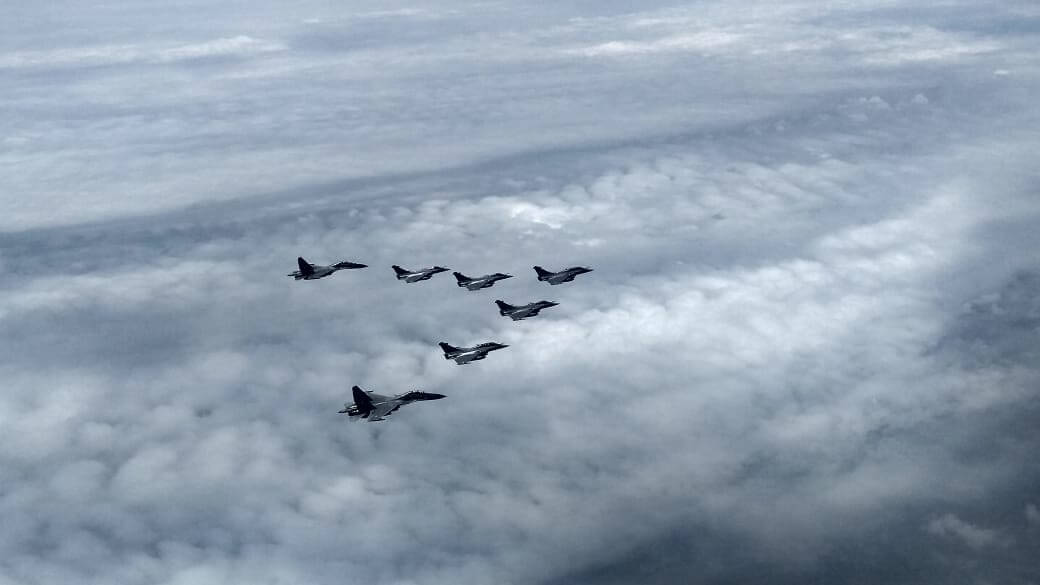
(808, 350)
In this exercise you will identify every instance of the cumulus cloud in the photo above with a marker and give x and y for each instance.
(1032, 514)
(950, 526)
(808, 349)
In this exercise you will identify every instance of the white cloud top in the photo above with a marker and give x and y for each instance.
(808, 349)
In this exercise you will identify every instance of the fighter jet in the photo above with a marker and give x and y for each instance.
(562, 276)
(465, 355)
(523, 311)
(481, 281)
(310, 271)
(376, 407)
(417, 275)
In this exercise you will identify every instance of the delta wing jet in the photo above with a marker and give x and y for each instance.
(417, 275)
(465, 355)
(310, 271)
(523, 311)
(376, 407)
(481, 281)
(562, 276)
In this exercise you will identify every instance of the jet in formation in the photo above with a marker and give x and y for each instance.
(523, 311)
(376, 407)
(481, 281)
(417, 275)
(562, 276)
(465, 355)
(310, 271)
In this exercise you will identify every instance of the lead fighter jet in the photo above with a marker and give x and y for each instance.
(565, 275)
(417, 275)
(376, 407)
(465, 355)
(523, 311)
(310, 271)
(481, 281)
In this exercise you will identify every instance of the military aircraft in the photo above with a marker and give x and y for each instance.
(417, 275)
(523, 311)
(310, 271)
(562, 276)
(376, 407)
(480, 281)
(465, 355)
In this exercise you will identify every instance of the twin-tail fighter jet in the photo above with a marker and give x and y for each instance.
(523, 311)
(481, 281)
(562, 276)
(310, 271)
(465, 355)
(417, 275)
(376, 407)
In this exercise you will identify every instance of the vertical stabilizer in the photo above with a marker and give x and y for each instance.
(362, 400)
(542, 273)
(305, 267)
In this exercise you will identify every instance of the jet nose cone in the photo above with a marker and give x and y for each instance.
(433, 396)
(362, 265)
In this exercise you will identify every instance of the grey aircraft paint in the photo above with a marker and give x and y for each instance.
(417, 275)
(519, 312)
(310, 271)
(565, 275)
(465, 355)
(479, 282)
(376, 407)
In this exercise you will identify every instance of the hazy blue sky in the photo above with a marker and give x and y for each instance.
(808, 354)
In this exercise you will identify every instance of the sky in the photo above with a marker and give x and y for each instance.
(809, 351)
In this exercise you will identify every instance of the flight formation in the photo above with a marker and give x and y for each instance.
(376, 407)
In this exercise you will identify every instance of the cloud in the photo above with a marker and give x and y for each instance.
(1032, 515)
(807, 349)
(950, 526)
(237, 46)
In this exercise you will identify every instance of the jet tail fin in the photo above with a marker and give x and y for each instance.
(399, 271)
(542, 273)
(362, 400)
(462, 278)
(503, 307)
(447, 348)
(305, 267)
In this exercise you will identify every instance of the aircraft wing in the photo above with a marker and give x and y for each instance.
(382, 410)
(468, 357)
